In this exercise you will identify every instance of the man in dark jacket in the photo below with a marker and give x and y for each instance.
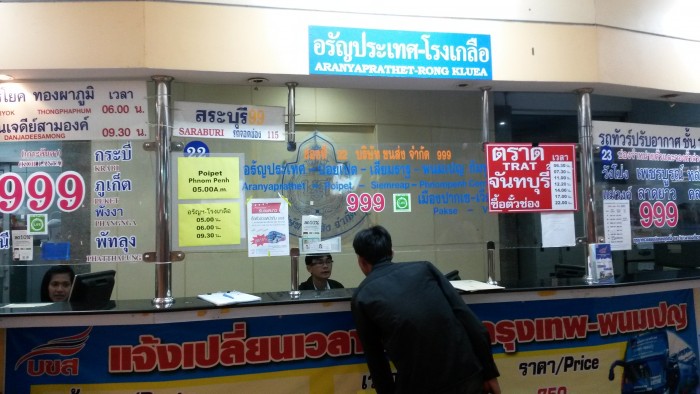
(320, 266)
(410, 310)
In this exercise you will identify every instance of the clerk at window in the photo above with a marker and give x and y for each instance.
(320, 266)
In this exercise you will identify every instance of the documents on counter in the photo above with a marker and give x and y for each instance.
(473, 285)
(27, 305)
(228, 297)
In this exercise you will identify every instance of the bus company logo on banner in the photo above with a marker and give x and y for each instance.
(49, 364)
(393, 53)
(527, 178)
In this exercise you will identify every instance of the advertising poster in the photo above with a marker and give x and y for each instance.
(654, 170)
(625, 344)
(268, 227)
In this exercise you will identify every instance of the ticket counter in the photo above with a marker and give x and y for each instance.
(568, 338)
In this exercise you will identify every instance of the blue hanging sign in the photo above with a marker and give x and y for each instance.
(403, 54)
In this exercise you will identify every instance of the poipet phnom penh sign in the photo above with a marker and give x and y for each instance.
(527, 178)
(394, 53)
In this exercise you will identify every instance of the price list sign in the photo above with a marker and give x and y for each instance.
(65, 111)
(527, 178)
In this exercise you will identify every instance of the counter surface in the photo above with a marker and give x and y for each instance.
(336, 295)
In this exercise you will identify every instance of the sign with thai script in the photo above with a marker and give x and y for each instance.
(394, 53)
(210, 212)
(649, 136)
(228, 121)
(571, 344)
(654, 169)
(526, 178)
(61, 111)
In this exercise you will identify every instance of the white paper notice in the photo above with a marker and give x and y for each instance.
(22, 246)
(557, 229)
(311, 229)
(617, 224)
(331, 245)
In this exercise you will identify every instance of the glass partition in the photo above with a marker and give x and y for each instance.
(411, 161)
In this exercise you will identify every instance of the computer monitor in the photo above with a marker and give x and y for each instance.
(92, 290)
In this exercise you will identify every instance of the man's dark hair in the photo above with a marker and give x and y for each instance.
(56, 269)
(311, 257)
(373, 244)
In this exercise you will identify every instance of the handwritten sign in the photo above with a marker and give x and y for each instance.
(526, 178)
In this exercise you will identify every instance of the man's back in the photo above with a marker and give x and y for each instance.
(414, 312)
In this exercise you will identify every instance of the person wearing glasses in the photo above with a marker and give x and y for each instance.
(320, 267)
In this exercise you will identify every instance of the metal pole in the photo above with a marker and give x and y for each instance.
(291, 116)
(163, 262)
(585, 122)
(485, 115)
(294, 292)
(490, 245)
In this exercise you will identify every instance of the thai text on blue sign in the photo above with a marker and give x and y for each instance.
(393, 53)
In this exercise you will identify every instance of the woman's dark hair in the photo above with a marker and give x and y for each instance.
(373, 244)
(56, 269)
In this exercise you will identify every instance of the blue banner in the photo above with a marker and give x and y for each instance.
(583, 345)
(403, 54)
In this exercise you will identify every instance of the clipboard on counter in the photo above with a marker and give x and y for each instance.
(228, 297)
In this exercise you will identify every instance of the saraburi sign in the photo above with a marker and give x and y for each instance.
(229, 121)
(393, 53)
(527, 178)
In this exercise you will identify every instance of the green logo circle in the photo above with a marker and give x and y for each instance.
(402, 202)
(37, 224)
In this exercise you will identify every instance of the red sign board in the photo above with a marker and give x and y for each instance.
(527, 178)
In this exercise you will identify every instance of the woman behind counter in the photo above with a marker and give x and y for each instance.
(56, 284)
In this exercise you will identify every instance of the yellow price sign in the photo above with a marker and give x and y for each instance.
(215, 224)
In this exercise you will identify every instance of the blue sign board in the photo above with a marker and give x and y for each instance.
(402, 54)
